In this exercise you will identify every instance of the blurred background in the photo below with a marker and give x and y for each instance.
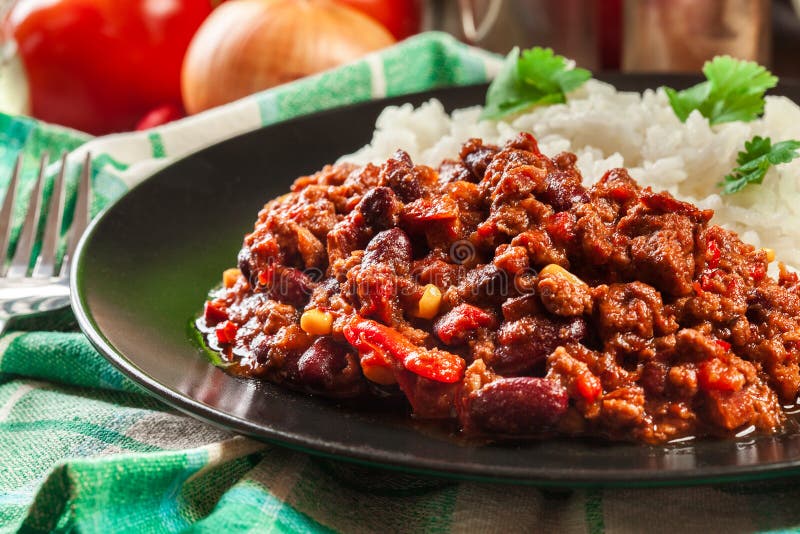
(104, 66)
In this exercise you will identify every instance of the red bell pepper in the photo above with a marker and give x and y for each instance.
(369, 336)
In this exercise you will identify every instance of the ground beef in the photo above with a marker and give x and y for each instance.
(498, 292)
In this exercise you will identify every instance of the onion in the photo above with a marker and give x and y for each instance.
(246, 46)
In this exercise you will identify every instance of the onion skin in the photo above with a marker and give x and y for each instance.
(246, 46)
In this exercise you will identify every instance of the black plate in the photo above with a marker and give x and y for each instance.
(145, 265)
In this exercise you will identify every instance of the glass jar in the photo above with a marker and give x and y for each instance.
(567, 26)
(681, 35)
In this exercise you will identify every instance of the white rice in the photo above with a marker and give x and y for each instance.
(607, 128)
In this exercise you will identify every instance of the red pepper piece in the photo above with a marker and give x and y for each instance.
(214, 312)
(713, 254)
(622, 193)
(366, 335)
(758, 271)
(486, 229)
(226, 332)
(589, 387)
(454, 326)
(723, 344)
(708, 279)
(716, 375)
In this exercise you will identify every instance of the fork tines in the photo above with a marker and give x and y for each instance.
(45, 265)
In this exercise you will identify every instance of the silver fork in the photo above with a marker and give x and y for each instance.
(26, 290)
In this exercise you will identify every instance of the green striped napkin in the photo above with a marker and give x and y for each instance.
(83, 449)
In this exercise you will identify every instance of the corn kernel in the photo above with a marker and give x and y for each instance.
(229, 277)
(316, 322)
(557, 270)
(380, 374)
(430, 301)
(770, 254)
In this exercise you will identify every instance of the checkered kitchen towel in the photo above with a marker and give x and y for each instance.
(83, 449)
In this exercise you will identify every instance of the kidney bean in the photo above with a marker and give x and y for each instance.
(262, 348)
(291, 286)
(477, 156)
(454, 171)
(380, 208)
(654, 377)
(392, 247)
(398, 173)
(245, 262)
(518, 307)
(519, 405)
(524, 344)
(562, 190)
(483, 283)
(321, 362)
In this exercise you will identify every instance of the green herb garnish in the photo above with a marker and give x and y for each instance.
(758, 156)
(538, 77)
(734, 91)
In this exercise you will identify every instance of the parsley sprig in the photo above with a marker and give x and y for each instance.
(753, 163)
(733, 91)
(535, 77)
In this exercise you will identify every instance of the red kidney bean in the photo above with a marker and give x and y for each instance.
(398, 173)
(454, 171)
(519, 405)
(380, 208)
(245, 262)
(524, 344)
(390, 247)
(563, 190)
(483, 283)
(291, 286)
(476, 157)
(321, 362)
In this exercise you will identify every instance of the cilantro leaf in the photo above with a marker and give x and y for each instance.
(734, 91)
(535, 77)
(758, 156)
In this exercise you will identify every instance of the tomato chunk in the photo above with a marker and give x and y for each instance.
(454, 326)
(713, 254)
(226, 332)
(214, 312)
(758, 271)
